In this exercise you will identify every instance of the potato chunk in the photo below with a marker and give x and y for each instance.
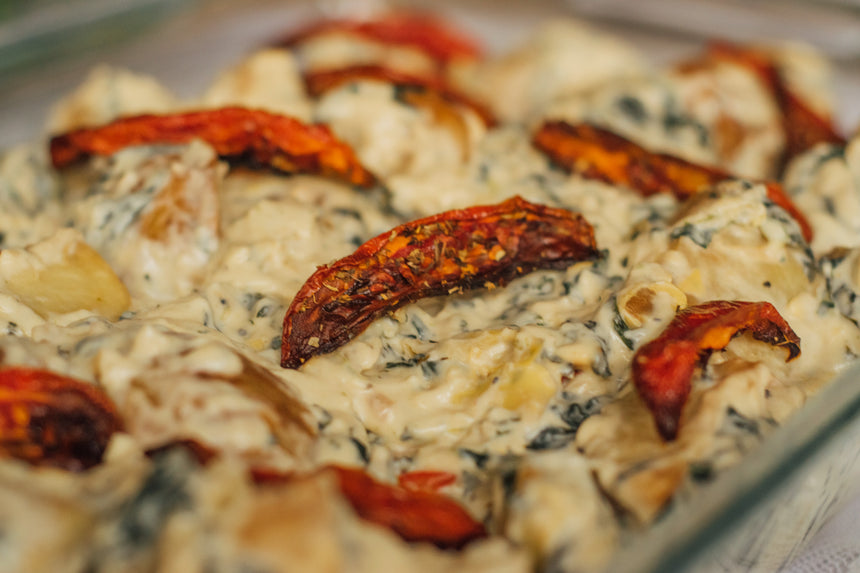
(63, 274)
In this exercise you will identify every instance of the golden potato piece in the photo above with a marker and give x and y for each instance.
(636, 302)
(63, 274)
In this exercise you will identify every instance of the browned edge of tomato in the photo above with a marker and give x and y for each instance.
(803, 126)
(416, 514)
(255, 137)
(426, 32)
(47, 419)
(448, 253)
(663, 368)
(597, 153)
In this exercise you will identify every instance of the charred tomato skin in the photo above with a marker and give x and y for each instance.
(47, 419)
(448, 253)
(597, 153)
(253, 137)
(663, 369)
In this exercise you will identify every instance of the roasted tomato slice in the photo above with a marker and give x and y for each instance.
(426, 480)
(803, 126)
(428, 33)
(254, 136)
(320, 81)
(415, 515)
(51, 420)
(412, 509)
(414, 512)
(597, 153)
(437, 255)
(663, 368)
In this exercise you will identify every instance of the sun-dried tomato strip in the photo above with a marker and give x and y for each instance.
(426, 480)
(663, 368)
(442, 254)
(597, 153)
(803, 126)
(51, 420)
(777, 194)
(255, 136)
(321, 81)
(414, 515)
(433, 36)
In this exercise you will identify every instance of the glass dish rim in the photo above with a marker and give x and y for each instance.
(722, 506)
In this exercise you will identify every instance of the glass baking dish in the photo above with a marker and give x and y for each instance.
(755, 517)
(760, 514)
(33, 32)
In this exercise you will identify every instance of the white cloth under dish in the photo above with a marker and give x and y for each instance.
(836, 548)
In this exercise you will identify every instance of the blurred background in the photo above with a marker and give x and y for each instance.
(48, 46)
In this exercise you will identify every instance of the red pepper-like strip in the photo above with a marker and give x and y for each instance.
(414, 515)
(597, 153)
(51, 420)
(426, 480)
(433, 36)
(321, 81)
(803, 127)
(663, 368)
(441, 254)
(256, 136)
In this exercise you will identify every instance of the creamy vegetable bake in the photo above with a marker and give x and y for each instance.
(377, 301)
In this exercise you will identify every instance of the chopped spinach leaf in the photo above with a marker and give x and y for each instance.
(361, 449)
(738, 421)
(163, 493)
(480, 459)
(701, 237)
(632, 107)
(701, 471)
(577, 413)
(621, 329)
(552, 438)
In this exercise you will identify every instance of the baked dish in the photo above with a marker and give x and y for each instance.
(378, 301)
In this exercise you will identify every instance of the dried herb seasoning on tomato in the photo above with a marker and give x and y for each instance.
(441, 254)
(597, 153)
(51, 420)
(430, 34)
(663, 368)
(243, 135)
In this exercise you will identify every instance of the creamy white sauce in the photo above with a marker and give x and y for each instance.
(521, 391)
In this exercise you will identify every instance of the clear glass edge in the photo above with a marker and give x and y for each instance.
(51, 33)
(699, 524)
